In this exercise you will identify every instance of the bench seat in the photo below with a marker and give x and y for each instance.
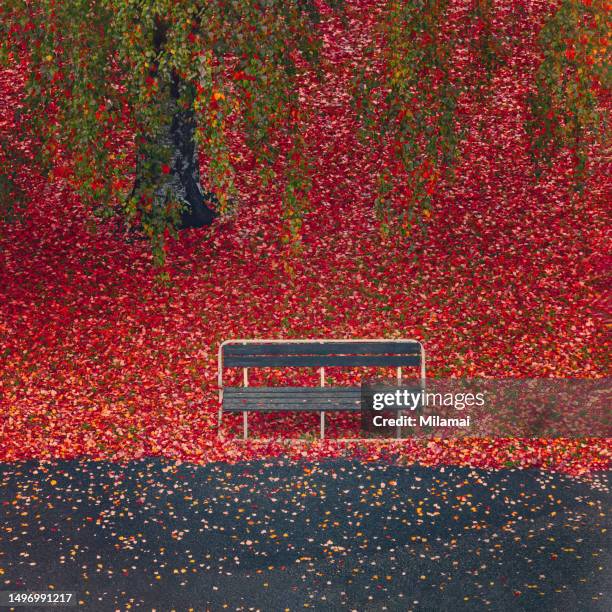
(273, 399)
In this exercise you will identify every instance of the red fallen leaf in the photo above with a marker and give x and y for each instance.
(241, 75)
(62, 171)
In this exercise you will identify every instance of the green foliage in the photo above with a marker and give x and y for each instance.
(407, 94)
(11, 193)
(106, 78)
(101, 81)
(570, 104)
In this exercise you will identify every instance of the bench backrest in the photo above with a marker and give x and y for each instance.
(320, 353)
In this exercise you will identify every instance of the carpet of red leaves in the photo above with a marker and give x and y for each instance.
(100, 359)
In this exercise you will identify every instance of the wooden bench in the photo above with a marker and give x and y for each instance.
(248, 354)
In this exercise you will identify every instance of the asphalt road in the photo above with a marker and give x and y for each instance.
(277, 535)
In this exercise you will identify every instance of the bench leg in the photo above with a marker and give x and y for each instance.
(322, 424)
(245, 425)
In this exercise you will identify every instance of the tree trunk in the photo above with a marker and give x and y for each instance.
(184, 178)
(178, 180)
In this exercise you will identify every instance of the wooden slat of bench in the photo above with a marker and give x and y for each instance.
(290, 401)
(322, 348)
(271, 361)
(274, 391)
(301, 393)
(237, 406)
(269, 399)
(291, 394)
(293, 408)
(304, 402)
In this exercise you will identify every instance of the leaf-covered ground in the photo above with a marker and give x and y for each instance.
(274, 535)
(505, 278)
